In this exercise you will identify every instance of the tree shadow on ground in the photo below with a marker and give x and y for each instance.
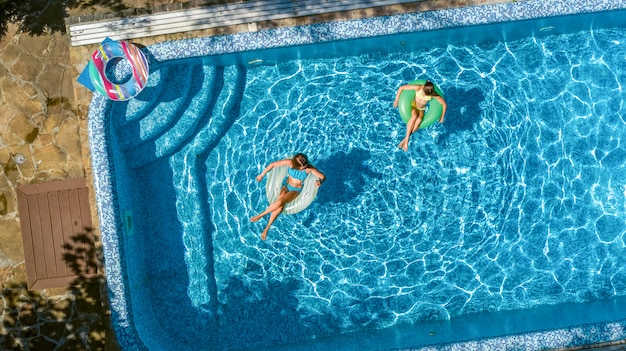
(71, 318)
(45, 17)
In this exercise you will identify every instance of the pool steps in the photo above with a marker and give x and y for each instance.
(191, 119)
(169, 131)
(193, 175)
(85, 30)
(168, 136)
(164, 114)
(158, 117)
(146, 101)
(228, 106)
(126, 115)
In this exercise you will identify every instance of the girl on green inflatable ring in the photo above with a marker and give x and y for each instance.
(423, 94)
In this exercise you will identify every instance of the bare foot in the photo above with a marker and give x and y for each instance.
(403, 145)
(264, 235)
(255, 218)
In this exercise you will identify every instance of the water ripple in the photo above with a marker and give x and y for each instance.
(519, 199)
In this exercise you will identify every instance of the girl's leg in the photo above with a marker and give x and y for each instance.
(418, 122)
(273, 216)
(275, 208)
(411, 126)
(274, 205)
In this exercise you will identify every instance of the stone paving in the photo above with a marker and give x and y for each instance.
(43, 118)
(39, 121)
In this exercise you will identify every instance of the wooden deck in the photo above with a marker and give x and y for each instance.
(57, 233)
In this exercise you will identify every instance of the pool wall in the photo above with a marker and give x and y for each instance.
(112, 224)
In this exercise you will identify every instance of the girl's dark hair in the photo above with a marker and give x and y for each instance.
(429, 88)
(299, 161)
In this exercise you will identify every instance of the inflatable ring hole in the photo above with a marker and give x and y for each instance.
(118, 70)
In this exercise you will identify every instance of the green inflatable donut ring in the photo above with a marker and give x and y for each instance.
(433, 111)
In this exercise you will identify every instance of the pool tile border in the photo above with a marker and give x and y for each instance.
(310, 34)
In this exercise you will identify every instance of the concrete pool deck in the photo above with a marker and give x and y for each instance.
(46, 122)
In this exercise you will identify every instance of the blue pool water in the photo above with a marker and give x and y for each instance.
(513, 210)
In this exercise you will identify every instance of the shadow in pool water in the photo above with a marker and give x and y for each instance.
(159, 282)
(231, 113)
(156, 110)
(346, 176)
(146, 176)
(463, 109)
(253, 322)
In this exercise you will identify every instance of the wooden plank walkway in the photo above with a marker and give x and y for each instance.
(169, 22)
(57, 233)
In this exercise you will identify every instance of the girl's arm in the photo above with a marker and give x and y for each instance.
(444, 109)
(286, 162)
(401, 89)
(317, 173)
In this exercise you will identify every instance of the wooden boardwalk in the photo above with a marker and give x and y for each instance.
(57, 233)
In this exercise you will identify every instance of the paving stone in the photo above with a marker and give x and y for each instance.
(90, 301)
(21, 126)
(59, 310)
(8, 206)
(97, 335)
(27, 331)
(53, 330)
(67, 87)
(41, 304)
(47, 175)
(11, 247)
(10, 54)
(31, 91)
(8, 38)
(10, 171)
(55, 115)
(26, 169)
(27, 67)
(7, 112)
(17, 277)
(8, 342)
(80, 323)
(49, 157)
(68, 138)
(34, 45)
(58, 110)
(51, 79)
(44, 139)
(9, 321)
(42, 343)
(59, 49)
(60, 294)
(4, 208)
(79, 56)
(28, 316)
(21, 97)
(3, 73)
(72, 344)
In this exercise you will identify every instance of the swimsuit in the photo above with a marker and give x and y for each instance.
(295, 174)
(423, 97)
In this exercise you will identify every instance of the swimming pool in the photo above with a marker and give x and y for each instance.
(503, 226)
